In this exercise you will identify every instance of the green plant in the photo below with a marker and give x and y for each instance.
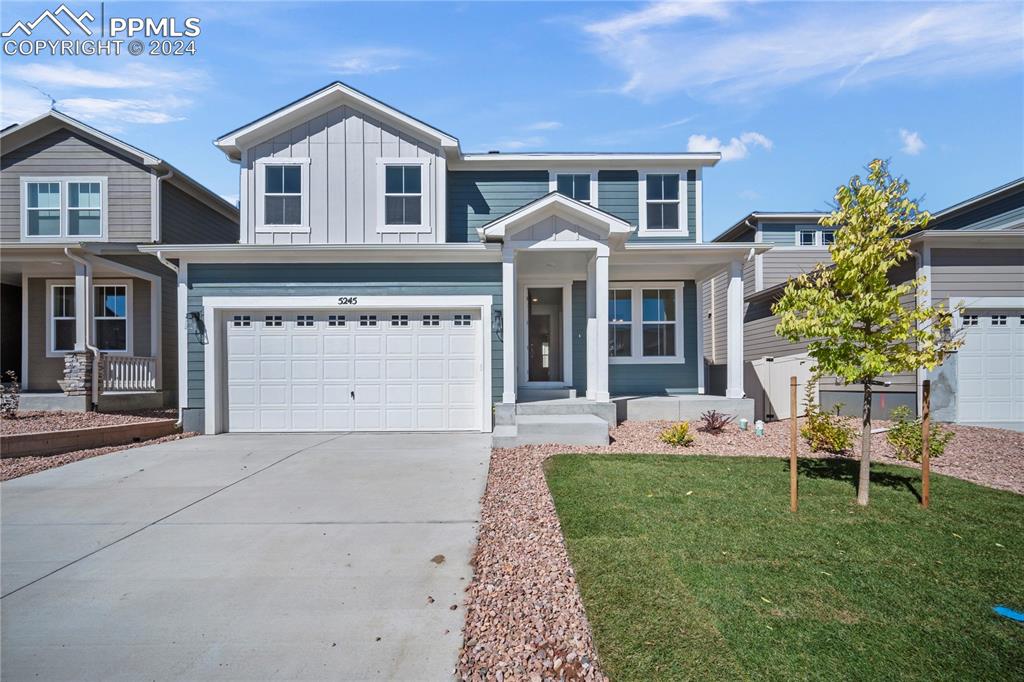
(678, 435)
(825, 431)
(905, 436)
(715, 422)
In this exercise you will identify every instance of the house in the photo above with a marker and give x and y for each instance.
(385, 279)
(972, 255)
(88, 319)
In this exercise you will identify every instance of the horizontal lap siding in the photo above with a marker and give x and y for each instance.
(668, 377)
(618, 194)
(63, 154)
(976, 273)
(994, 215)
(336, 279)
(475, 198)
(43, 371)
(778, 266)
(186, 220)
(759, 337)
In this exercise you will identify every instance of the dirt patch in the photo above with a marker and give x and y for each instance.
(23, 466)
(524, 614)
(35, 422)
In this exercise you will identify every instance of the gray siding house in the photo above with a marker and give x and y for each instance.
(385, 279)
(972, 256)
(87, 318)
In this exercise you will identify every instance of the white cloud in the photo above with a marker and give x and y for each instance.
(112, 112)
(736, 148)
(749, 49)
(912, 142)
(518, 144)
(19, 104)
(367, 60)
(544, 125)
(129, 76)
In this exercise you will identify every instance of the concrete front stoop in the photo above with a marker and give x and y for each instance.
(568, 421)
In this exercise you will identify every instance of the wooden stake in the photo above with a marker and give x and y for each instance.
(926, 423)
(792, 444)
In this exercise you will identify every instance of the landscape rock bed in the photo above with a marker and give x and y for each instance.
(524, 615)
(23, 466)
(35, 422)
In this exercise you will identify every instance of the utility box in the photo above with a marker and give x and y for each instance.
(768, 378)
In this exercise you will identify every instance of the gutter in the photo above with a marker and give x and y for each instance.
(91, 348)
(181, 389)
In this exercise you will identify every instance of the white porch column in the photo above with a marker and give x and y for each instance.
(591, 329)
(82, 286)
(734, 335)
(601, 304)
(508, 323)
(700, 336)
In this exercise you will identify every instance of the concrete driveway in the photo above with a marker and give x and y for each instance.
(298, 556)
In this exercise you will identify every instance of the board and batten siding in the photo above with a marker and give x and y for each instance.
(62, 153)
(186, 220)
(475, 198)
(343, 146)
(967, 273)
(337, 279)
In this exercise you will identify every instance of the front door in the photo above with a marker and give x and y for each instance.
(544, 334)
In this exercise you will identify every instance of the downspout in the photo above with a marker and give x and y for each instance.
(158, 213)
(174, 268)
(88, 326)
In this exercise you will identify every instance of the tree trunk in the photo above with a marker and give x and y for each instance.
(865, 449)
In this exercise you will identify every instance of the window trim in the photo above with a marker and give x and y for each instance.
(261, 189)
(51, 336)
(128, 326)
(636, 325)
(426, 184)
(553, 181)
(64, 181)
(684, 225)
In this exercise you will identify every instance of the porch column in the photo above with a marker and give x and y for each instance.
(734, 335)
(508, 324)
(591, 329)
(601, 304)
(82, 286)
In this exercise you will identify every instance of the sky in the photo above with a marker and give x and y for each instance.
(798, 96)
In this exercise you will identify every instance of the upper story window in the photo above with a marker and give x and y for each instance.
(661, 210)
(806, 237)
(579, 186)
(283, 204)
(70, 209)
(403, 204)
(828, 237)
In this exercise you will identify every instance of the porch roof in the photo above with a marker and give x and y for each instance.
(555, 204)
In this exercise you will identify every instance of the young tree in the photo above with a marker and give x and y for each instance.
(851, 311)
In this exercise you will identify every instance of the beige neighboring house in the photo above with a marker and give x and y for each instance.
(972, 256)
(87, 318)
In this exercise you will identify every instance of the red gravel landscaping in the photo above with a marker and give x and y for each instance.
(23, 466)
(524, 615)
(34, 422)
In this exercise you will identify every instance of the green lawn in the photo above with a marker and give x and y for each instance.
(693, 568)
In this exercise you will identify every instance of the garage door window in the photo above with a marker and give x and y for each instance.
(367, 320)
(399, 320)
(272, 321)
(304, 320)
(241, 321)
(999, 320)
(335, 320)
(431, 320)
(970, 320)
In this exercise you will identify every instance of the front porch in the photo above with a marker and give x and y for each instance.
(86, 330)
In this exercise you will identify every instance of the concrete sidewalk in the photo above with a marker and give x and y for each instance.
(298, 556)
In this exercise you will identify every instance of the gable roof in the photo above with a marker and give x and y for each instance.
(555, 204)
(20, 134)
(321, 101)
(757, 216)
(1001, 208)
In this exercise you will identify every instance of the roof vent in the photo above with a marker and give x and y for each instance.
(493, 151)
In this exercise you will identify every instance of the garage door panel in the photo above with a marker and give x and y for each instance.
(990, 367)
(311, 371)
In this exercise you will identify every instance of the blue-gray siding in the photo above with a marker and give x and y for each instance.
(618, 193)
(994, 215)
(335, 279)
(667, 378)
(784, 234)
(475, 198)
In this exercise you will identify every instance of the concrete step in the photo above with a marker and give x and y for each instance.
(563, 429)
(569, 406)
(534, 394)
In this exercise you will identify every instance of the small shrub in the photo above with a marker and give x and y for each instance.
(10, 395)
(825, 431)
(678, 435)
(905, 436)
(715, 421)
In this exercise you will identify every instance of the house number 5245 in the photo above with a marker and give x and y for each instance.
(348, 300)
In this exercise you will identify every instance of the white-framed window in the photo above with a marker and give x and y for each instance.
(399, 320)
(335, 320)
(431, 320)
(60, 331)
(272, 321)
(806, 237)
(304, 321)
(112, 330)
(282, 186)
(367, 320)
(403, 193)
(241, 321)
(645, 322)
(64, 208)
(580, 185)
(462, 320)
(828, 237)
(663, 204)
(970, 321)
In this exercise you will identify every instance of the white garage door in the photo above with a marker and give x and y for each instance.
(990, 367)
(359, 371)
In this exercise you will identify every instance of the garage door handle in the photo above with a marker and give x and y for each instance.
(353, 394)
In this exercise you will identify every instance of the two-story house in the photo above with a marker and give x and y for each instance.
(89, 320)
(971, 255)
(386, 280)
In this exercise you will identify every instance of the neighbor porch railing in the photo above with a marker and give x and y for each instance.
(127, 373)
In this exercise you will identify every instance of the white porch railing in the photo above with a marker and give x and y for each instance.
(127, 373)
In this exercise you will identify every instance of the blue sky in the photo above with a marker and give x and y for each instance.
(798, 96)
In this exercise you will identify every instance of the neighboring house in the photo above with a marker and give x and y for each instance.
(386, 280)
(77, 293)
(972, 256)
